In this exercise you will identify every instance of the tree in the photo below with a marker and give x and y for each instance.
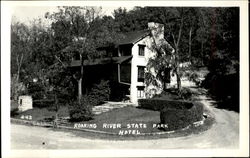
(175, 20)
(20, 40)
(72, 27)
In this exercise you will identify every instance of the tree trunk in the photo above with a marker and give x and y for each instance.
(177, 72)
(178, 80)
(177, 56)
(190, 44)
(79, 90)
(57, 109)
(19, 64)
(176, 43)
(202, 56)
(80, 81)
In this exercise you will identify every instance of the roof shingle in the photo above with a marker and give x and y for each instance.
(133, 37)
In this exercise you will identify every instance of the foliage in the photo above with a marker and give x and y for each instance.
(14, 112)
(177, 114)
(81, 111)
(99, 93)
(185, 93)
(175, 94)
(36, 90)
(225, 89)
(194, 77)
(204, 36)
(181, 118)
(13, 108)
(204, 31)
(17, 88)
(158, 104)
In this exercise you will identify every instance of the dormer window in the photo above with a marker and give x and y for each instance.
(141, 50)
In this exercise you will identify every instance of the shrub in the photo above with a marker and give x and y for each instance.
(195, 78)
(181, 118)
(14, 112)
(99, 93)
(177, 114)
(13, 108)
(36, 90)
(185, 93)
(43, 103)
(81, 112)
(225, 89)
(159, 104)
(168, 94)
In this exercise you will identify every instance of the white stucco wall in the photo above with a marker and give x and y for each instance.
(157, 36)
(25, 103)
(138, 60)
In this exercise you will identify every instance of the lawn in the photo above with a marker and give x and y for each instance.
(40, 114)
(130, 118)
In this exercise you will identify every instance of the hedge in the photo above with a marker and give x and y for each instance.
(158, 104)
(180, 118)
(43, 103)
(176, 114)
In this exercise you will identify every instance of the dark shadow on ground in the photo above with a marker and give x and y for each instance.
(230, 104)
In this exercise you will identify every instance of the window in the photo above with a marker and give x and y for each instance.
(140, 91)
(141, 50)
(141, 74)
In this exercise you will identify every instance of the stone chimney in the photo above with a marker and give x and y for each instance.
(157, 30)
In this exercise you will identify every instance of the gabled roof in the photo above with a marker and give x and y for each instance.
(133, 37)
(101, 61)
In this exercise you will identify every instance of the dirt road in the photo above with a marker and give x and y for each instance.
(223, 134)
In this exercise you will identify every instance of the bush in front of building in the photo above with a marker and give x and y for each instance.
(176, 114)
(159, 104)
(185, 93)
(81, 111)
(181, 118)
(99, 93)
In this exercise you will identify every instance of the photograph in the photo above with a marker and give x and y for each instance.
(143, 77)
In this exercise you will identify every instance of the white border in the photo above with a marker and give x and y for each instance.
(6, 9)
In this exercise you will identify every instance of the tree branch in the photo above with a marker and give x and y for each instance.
(60, 61)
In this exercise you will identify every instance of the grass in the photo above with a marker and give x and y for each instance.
(124, 116)
(179, 133)
(39, 114)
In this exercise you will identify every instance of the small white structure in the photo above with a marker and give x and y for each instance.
(25, 103)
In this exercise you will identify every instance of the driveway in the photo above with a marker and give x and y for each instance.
(224, 133)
